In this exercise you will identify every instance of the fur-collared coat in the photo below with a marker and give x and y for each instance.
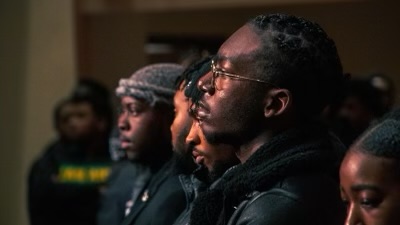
(292, 179)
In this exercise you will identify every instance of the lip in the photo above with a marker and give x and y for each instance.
(124, 139)
(125, 142)
(198, 157)
(202, 110)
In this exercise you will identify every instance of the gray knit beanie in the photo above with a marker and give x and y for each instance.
(153, 83)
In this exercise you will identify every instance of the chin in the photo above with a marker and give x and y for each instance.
(126, 146)
(132, 155)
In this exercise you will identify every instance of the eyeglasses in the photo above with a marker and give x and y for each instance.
(216, 80)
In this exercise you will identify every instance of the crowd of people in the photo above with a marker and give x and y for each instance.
(269, 130)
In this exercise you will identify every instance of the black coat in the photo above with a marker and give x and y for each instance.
(161, 202)
(292, 179)
(125, 183)
(192, 185)
(54, 198)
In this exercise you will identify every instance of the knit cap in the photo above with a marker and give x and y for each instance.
(153, 83)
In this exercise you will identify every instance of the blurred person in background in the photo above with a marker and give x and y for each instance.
(387, 88)
(362, 103)
(64, 183)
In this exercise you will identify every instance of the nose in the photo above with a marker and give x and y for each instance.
(205, 84)
(353, 216)
(123, 123)
(193, 138)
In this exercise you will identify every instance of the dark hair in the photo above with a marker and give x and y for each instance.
(97, 96)
(57, 113)
(297, 54)
(392, 114)
(383, 138)
(192, 75)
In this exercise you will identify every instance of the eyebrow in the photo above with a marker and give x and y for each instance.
(361, 187)
(232, 59)
(135, 104)
(219, 57)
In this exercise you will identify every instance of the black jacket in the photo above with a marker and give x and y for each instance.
(161, 202)
(125, 183)
(192, 185)
(292, 179)
(64, 185)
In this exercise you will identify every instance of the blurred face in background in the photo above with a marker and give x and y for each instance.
(370, 187)
(356, 113)
(77, 121)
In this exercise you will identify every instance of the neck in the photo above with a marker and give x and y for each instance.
(246, 150)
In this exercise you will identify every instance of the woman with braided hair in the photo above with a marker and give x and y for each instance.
(370, 175)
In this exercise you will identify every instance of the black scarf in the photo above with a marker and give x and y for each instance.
(302, 150)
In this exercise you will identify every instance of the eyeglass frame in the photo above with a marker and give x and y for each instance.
(217, 72)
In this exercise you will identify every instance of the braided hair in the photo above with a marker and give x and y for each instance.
(382, 139)
(297, 54)
(197, 70)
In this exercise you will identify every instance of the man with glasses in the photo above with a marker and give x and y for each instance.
(269, 83)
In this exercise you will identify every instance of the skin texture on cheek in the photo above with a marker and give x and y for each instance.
(221, 94)
(233, 115)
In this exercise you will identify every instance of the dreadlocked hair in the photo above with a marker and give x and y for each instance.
(194, 72)
(297, 54)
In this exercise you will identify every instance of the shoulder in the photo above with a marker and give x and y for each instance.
(310, 187)
(163, 204)
(304, 199)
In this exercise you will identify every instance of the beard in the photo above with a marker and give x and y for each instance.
(233, 137)
(183, 163)
(218, 170)
(217, 137)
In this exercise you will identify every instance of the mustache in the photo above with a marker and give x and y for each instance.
(198, 152)
(183, 164)
(124, 138)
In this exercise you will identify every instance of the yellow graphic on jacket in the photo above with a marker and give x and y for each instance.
(83, 173)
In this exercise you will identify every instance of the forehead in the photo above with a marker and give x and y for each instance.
(73, 106)
(361, 167)
(131, 100)
(243, 42)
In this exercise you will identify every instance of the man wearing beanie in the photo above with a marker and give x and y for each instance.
(146, 100)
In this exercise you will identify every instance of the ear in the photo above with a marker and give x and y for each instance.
(277, 102)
